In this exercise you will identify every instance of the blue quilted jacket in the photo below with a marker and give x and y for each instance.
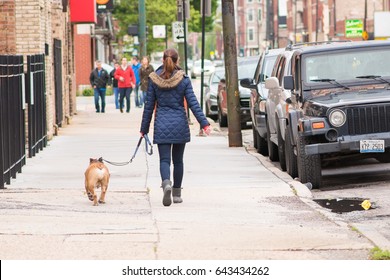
(170, 122)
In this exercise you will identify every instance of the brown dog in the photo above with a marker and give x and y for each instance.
(96, 176)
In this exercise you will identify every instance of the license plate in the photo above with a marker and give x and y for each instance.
(372, 146)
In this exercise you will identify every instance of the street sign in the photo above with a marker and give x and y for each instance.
(178, 32)
(159, 31)
(353, 28)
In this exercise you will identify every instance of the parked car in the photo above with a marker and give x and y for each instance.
(259, 96)
(196, 70)
(339, 106)
(276, 110)
(246, 68)
(211, 92)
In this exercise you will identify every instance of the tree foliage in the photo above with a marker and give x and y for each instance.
(159, 12)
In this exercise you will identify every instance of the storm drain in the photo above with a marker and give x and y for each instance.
(343, 205)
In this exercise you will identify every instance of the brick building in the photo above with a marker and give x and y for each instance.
(84, 54)
(322, 20)
(34, 27)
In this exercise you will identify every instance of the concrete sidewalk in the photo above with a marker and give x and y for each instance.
(234, 207)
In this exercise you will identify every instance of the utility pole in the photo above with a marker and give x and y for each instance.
(231, 74)
(317, 21)
(142, 28)
(309, 20)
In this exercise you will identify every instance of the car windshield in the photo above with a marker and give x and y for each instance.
(246, 69)
(206, 63)
(218, 75)
(346, 66)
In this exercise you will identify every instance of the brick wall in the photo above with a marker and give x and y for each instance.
(7, 30)
(36, 24)
(83, 55)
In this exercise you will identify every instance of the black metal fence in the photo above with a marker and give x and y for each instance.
(12, 119)
(18, 90)
(36, 99)
(58, 80)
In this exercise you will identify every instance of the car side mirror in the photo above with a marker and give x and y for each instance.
(272, 83)
(248, 83)
(288, 82)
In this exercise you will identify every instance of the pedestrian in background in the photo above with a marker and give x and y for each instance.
(135, 65)
(115, 85)
(99, 79)
(126, 82)
(168, 88)
(144, 73)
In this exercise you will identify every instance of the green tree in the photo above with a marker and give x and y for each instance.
(195, 22)
(159, 12)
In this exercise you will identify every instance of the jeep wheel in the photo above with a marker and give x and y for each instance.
(281, 151)
(309, 166)
(291, 158)
(272, 148)
(222, 120)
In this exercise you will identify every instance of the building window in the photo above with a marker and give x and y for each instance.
(259, 15)
(250, 1)
(250, 15)
(251, 35)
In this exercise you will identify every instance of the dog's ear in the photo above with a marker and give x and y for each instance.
(91, 160)
(101, 159)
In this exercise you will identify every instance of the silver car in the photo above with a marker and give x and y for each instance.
(211, 92)
(196, 70)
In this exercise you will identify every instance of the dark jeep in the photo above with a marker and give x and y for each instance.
(339, 105)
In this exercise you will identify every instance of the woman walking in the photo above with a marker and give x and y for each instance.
(168, 87)
(144, 73)
(126, 82)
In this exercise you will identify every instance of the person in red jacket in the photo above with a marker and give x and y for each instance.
(126, 82)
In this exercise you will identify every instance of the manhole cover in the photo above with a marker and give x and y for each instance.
(343, 205)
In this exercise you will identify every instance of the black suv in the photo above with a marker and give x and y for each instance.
(339, 104)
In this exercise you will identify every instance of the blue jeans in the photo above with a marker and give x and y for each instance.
(99, 92)
(137, 97)
(125, 92)
(116, 97)
(143, 97)
(176, 151)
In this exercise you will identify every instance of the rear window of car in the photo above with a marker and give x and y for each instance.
(246, 69)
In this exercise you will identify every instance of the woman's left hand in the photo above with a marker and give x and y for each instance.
(207, 129)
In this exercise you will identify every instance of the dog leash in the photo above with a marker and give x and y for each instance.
(147, 142)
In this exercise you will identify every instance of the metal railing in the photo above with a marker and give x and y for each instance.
(12, 118)
(36, 99)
